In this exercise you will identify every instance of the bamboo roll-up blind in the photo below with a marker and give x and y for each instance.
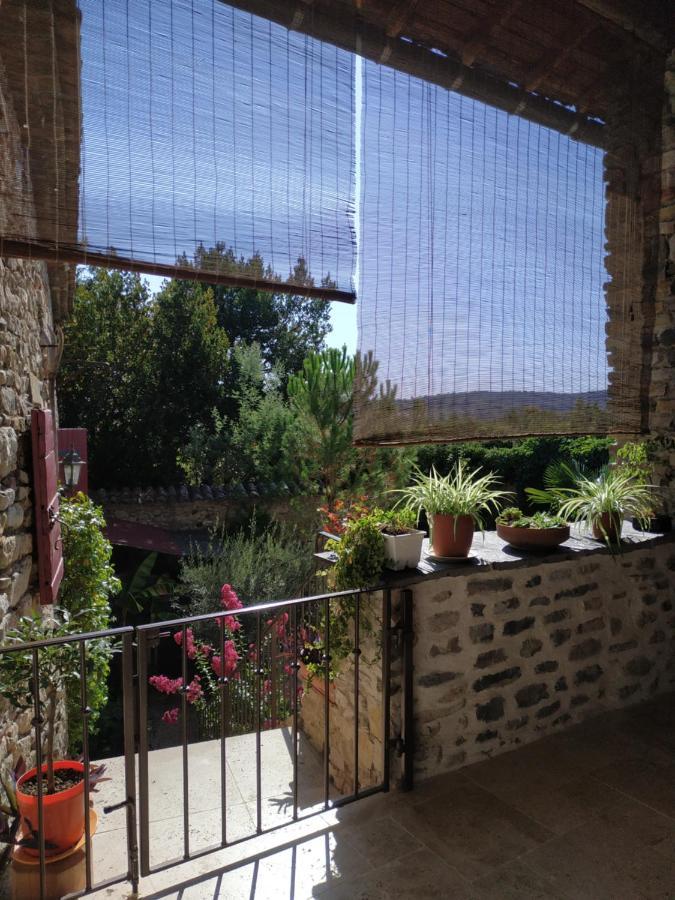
(482, 304)
(202, 126)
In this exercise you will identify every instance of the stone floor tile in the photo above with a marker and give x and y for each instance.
(651, 784)
(642, 823)
(382, 840)
(594, 863)
(514, 881)
(417, 876)
(562, 809)
(472, 830)
(541, 765)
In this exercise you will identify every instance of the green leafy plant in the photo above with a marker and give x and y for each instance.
(269, 564)
(515, 518)
(143, 591)
(396, 521)
(615, 493)
(360, 554)
(59, 668)
(89, 582)
(633, 458)
(459, 493)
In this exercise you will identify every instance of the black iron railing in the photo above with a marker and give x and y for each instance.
(302, 615)
(37, 689)
(280, 637)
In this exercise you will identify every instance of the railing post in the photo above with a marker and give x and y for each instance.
(407, 724)
(143, 798)
(386, 687)
(129, 713)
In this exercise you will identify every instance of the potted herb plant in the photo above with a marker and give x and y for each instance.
(531, 532)
(63, 780)
(402, 540)
(602, 502)
(456, 505)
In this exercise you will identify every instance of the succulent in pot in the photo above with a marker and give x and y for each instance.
(456, 504)
(402, 540)
(541, 530)
(62, 781)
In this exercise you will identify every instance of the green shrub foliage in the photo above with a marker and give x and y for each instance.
(88, 584)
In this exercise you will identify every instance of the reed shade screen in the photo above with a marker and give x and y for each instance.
(202, 126)
(481, 304)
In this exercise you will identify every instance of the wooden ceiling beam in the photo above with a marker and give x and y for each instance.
(549, 62)
(400, 16)
(480, 37)
(629, 16)
(372, 42)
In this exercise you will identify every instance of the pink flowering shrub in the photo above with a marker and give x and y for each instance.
(231, 658)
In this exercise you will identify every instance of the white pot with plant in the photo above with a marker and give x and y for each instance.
(402, 540)
(456, 504)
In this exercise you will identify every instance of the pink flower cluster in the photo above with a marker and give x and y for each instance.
(230, 602)
(231, 659)
(191, 648)
(166, 685)
(171, 716)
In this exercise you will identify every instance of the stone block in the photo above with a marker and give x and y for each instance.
(8, 451)
(490, 658)
(550, 665)
(489, 585)
(530, 647)
(549, 710)
(639, 666)
(532, 694)
(490, 711)
(585, 650)
(588, 675)
(516, 626)
(482, 634)
(503, 677)
(560, 636)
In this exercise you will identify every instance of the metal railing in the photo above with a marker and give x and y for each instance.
(316, 613)
(311, 636)
(37, 688)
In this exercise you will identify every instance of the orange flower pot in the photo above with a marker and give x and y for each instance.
(63, 812)
(451, 535)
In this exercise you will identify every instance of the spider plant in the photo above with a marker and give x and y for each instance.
(603, 502)
(459, 493)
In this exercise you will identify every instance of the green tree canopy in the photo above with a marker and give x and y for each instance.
(285, 327)
(138, 373)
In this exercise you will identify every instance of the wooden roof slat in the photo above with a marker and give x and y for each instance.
(548, 63)
(475, 43)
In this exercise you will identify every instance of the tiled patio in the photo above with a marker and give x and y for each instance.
(588, 813)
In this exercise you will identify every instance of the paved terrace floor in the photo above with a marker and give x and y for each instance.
(587, 813)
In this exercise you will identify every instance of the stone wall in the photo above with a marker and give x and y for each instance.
(662, 421)
(506, 656)
(181, 513)
(25, 323)
(341, 711)
(507, 652)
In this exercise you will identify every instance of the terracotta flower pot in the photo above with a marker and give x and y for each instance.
(526, 538)
(63, 812)
(608, 528)
(451, 535)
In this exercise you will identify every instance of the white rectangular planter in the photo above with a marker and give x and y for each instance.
(403, 551)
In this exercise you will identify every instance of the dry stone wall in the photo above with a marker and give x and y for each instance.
(25, 323)
(505, 657)
(506, 653)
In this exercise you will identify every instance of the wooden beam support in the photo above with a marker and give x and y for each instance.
(400, 16)
(629, 16)
(550, 61)
(371, 42)
(479, 39)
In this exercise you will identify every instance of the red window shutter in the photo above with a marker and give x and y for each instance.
(47, 526)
